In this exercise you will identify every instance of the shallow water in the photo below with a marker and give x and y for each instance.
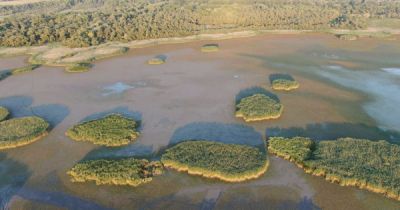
(192, 96)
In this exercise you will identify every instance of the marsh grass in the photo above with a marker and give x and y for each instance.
(3, 113)
(112, 130)
(258, 107)
(24, 69)
(370, 165)
(21, 131)
(127, 171)
(78, 67)
(227, 162)
(210, 48)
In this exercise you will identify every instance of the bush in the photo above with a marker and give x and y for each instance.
(21, 131)
(227, 162)
(129, 171)
(3, 113)
(112, 130)
(210, 48)
(24, 69)
(78, 67)
(285, 84)
(362, 163)
(258, 107)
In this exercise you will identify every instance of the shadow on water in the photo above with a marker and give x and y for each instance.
(161, 57)
(219, 132)
(4, 74)
(273, 77)
(13, 176)
(333, 131)
(21, 106)
(254, 90)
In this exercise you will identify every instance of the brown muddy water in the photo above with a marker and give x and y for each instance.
(347, 89)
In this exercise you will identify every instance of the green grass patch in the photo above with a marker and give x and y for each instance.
(227, 162)
(210, 48)
(3, 113)
(371, 165)
(284, 84)
(258, 107)
(112, 130)
(78, 67)
(24, 69)
(21, 131)
(128, 171)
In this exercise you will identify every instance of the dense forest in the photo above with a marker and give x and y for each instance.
(80, 23)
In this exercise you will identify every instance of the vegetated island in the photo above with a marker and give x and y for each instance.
(127, 171)
(227, 162)
(24, 69)
(3, 113)
(258, 107)
(207, 48)
(21, 131)
(370, 165)
(78, 67)
(157, 60)
(284, 84)
(111, 130)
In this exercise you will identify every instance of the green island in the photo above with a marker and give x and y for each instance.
(127, 171)
(24, 69)
(258, 107)
(226, 162)
(21, 131)
(78, 67)
(370, 165)
(112, 130)
(156, 61)
(284, 84)
(3, 113)
(210, 48)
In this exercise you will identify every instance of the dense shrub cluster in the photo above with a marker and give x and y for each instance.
(227, 162)
(112, 130)
(258, 107)
(371, 165)
(129, 171)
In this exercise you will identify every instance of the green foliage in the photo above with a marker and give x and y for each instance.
(228, 162)
(21, 131)
(78, 67)
(112, 130)
(284, 84)
(24, 69)
(86, 22)
(3, 113)
(129, 171)
(210, 48)
(297, 149)
(372, 165)
(258, 107)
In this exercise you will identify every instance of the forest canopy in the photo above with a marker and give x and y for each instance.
(81, 23)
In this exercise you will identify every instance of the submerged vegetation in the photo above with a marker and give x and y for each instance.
(24, 69)
(371, 165)
(285, 84)
(227, 162)
(21, 131)
(128, 171)
(210, 48)
(258, 107)
(112, 130)
(78, 67)
(3, 113)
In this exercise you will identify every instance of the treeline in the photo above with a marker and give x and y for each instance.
(81, 23)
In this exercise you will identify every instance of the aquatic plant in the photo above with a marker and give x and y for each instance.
(21, 131)
(227, 162)
(284, 84)
(128, 171)
(112, 130)
(78, 67)
(3, 113)
(370, 165)
(24, 69)
(210, 48)
(258, 107)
